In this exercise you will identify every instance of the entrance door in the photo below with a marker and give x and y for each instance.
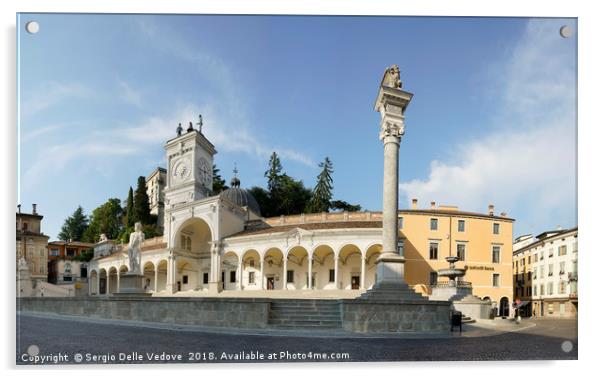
(355, 282)
(504, 307)
(270, 283)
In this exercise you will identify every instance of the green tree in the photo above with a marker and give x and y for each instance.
(219, 184)
(274, 175)
(345, 206)
(106, 219)
(141, 203)
(85, 256)
(294, 197)
(129, 209)
(322, 193)
(262, 197)
(74, 226)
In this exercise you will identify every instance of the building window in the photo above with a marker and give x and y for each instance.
(185, 280)
(24, 226)
(535, 290)
(232, 276)
(496, 280)
(54, 252)
(67, 279)
(205, 278)
(542, 289)
(290, 276)
(495, 254)
(551, 270)
(541, 256)
(433, 251)
(550, 288)
(83, 272)
(400, 247)
(561, 272)
(522, 262)
(529, 276)
(529, 260)
(535, 257)
(575, 247)
(251, 278)
(461, 225)
(541, 271)
(400, 222)
(252, 263)
(461, 252)
(562, 250)
(561, 287)
(67, 268)
(433, 224)
(433, 278)
(70, 252)
(331, 275)
(551, 253)
(496, 228)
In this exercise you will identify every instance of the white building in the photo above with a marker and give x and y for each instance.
(547, 269)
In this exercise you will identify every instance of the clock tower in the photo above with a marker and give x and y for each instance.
(189, 167)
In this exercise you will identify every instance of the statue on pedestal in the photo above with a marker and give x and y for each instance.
(391, 77)
(136, 239)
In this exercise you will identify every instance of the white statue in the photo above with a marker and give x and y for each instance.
(391, 77)
(136, 240)
(103, 238)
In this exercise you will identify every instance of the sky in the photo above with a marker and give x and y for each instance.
(492, 120)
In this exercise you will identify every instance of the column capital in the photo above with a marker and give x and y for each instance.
(391, 131)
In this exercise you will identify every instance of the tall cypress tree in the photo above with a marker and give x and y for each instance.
(274, 175)
(219, 184)
(129, 209)
(322, 193)
(74, 226)
(141, 207)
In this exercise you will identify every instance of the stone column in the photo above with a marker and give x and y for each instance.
(239, 274)
(118, 278)
(107, 286)
(309, 262)
(391, 103)
(284, 263)
(336, 271)
(170, 285)
(216, 268)
(156, 279)
(363, 277)
(98, 283)
(261, 274)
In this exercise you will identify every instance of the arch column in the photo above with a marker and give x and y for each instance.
(216, 268)
(156, 277)
(363, 277)
(98, 283)
(336, 271)
(309, 262)
(261, 272)
(239, 269)
(118, 274)
(284, 275)
(108, 285)
(170, 285)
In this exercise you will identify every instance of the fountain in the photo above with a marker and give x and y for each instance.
(458, 292)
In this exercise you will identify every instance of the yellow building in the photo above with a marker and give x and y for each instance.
(31, 243)
(482, 241)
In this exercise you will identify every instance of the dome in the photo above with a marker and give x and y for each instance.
(241, 197)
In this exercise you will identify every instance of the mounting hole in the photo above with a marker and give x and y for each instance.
(566, 346)
(32, 27)
(565, 31)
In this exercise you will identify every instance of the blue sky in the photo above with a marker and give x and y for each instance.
(492, 119)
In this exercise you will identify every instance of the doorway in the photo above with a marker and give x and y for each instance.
(270, 282)
(355, 282)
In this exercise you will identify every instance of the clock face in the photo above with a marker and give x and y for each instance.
(205, 171)
(181, 170)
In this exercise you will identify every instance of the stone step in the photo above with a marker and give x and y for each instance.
(294, 308)
(303, 323)
(278, 312)
(296, 305)
(306, 327)
(316, 317)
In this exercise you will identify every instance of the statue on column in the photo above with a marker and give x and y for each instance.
(136, 240)
(391, 77)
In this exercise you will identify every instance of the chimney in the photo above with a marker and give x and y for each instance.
(490, 209)
(34, 212)
(432, 204)
(414, 203)
(19, 208)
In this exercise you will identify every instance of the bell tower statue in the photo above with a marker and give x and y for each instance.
(189, 159)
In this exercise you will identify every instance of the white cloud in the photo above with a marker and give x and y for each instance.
(48, 94)
(528, 165)
(129, 94)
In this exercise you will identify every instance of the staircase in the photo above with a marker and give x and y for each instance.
(467, 319)
(305, 314)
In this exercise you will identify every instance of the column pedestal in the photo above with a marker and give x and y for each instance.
(132, 284)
